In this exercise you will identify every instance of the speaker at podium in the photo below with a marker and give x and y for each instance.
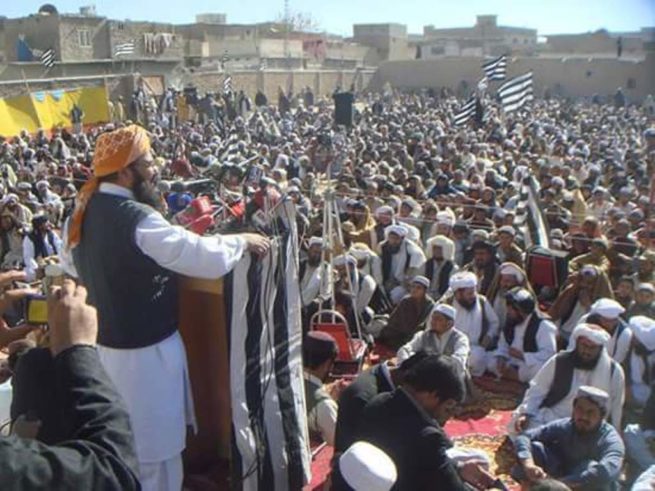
(343, 108)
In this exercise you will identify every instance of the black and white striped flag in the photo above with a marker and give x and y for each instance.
(48, 58)
(466, 112)
(224, 59)
(124, 49)
(529, 215)
(270, 443)
(230, 147)
(227, 84)
(496, 69)
(516, 92)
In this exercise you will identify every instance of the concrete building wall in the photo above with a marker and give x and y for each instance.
(84, 38)
(41, 32)
(592, 43)
(577, 77)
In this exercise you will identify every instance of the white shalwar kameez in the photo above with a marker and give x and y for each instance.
(154, 380)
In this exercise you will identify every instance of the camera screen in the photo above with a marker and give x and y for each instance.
(37, 311)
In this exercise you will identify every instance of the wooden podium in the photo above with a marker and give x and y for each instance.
(203, 329)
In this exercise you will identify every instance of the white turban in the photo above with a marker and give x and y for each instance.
(384, 210)
(343, 259)
(463, 279)
(315, 241)
(644, 330)
(365, 467)
(447, 247)
(446, 217)
(400, 230)
(593, 333)
(513, 270)
(607, 308)
(421, 280)
(359, 254)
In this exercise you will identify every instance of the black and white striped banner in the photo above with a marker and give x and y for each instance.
(496, 69)
(515, 93)
(466, 112)
(529, 215)
(270, 443)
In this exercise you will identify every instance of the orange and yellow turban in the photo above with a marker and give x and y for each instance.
(113, 151)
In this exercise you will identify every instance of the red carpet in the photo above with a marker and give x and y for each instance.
(480, 425)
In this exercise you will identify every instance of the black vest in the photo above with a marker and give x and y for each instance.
(137, 300)
(530, 337)
(563, 378)
(444, 274)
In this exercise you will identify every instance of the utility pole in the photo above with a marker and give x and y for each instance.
(287, 28)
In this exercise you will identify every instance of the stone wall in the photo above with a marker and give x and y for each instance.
(575, 77)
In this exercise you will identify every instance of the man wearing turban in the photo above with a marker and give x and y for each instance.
(127, 255)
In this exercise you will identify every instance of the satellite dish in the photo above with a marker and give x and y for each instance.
(48, 9)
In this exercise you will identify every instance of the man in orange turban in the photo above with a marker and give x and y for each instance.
(128, 257)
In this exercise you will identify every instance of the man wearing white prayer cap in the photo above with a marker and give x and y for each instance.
(383, 217)
(582, 450)
(474, 317)
(606, 313)
(440, 337)
(402, 259)
(439, 265)
(364, 467)
(310, 271)
(553, 389)
(353, 284)
(641, 369)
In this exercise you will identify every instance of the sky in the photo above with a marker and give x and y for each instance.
(338, 16)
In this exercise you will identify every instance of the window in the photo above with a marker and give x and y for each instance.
(84, 37)
(632, 83)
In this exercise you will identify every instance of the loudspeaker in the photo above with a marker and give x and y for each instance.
(343, 108)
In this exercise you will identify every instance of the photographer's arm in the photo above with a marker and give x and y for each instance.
(99, 453)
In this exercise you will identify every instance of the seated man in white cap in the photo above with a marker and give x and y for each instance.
(408, 316)
(383, 218)
(527, 340)
(606, 313)
(641, 366)
(474, 317)
(310, 271)
(553, 389)
(319, 351)
(440, 264)
(583, 451)
(402, 259)
(364, 467)
(440, 338)
(508, 276)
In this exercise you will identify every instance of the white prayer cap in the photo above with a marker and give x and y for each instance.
(644, 330)
(592, 332)
(646, 286)
(479, 235)
(607, 308)
(463, 279)
(42, 184)
(343, 259)
(384, 210)
(507, 229)
(315, 241)
(413, 233)
(399, 230)
(512, 269)
(599, 396)
(365, 467)
(421, 280)
(445, 310)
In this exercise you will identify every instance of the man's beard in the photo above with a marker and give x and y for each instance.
(467, 304)
(512, 321)
(313, 261)
(582, 364)
(146, 192)
(393, 249)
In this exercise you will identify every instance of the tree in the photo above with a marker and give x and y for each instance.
(299, 22)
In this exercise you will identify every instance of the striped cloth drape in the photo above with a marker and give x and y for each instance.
(270, 444)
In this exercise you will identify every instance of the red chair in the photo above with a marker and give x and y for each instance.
(352, 351)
